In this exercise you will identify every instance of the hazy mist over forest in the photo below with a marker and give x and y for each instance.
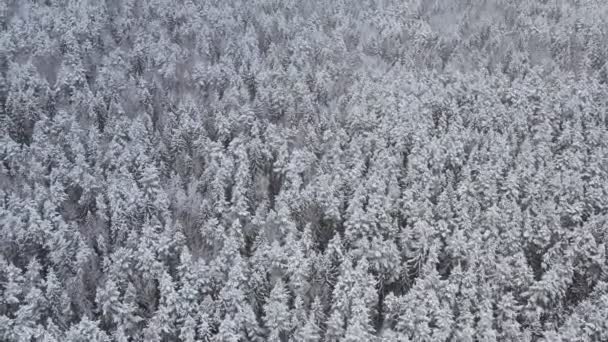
(303, 170)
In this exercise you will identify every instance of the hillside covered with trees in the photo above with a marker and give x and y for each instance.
(319, 170)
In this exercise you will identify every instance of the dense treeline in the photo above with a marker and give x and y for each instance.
(326, 170)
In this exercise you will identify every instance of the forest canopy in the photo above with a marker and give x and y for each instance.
(319, 170)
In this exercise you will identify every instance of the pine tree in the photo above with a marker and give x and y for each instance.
(276, 313)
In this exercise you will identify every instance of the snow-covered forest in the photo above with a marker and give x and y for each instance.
(290, 170)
